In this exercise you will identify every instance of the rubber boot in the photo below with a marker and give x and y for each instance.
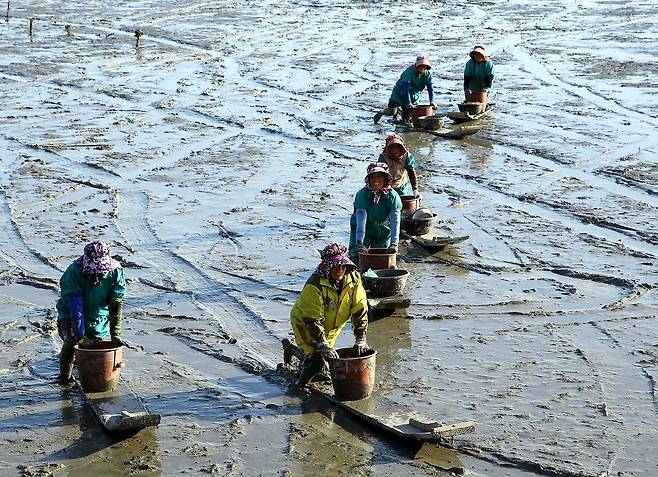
(383, 112)
(290, 350)
(66, 362)
(324, 375)
(310, 367)
(397, 115)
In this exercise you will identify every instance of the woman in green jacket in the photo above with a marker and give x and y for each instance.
(375, 221)
(406, 91)
(478, 74)
(332, 295)
(90, 304)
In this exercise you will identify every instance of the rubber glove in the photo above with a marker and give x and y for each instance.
(417, 195)
(327, 352)
(76, 307)
(361, 248)
(116, 316)
(360, 346)
(116, 341)
(393, 248)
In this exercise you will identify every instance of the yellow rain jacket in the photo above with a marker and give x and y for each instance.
(320, 312)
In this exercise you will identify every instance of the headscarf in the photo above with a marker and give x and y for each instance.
(391, 140)
(333, 256)
(373, 168)
(97, 258)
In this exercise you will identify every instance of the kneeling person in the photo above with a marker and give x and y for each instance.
(332, 295)
(90, 304)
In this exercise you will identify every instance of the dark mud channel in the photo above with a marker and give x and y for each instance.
(224, 151)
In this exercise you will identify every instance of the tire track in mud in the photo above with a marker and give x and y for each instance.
(541, 73)
(628, 398)
(15, 250)
(231, 315)
(467, 182)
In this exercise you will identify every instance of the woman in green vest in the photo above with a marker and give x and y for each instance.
(90, 304)
(375, 221)
(478, 74)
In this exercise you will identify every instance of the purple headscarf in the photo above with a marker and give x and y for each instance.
(97, 258)
(332, 256)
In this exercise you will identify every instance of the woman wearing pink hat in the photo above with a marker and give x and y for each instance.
(401, 166)
(375, 221)
(478, 75)
(406, 91)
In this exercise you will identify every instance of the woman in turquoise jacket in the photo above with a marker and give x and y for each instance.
(406, 91)
(375, 221)
(478, 73)
(90, 304)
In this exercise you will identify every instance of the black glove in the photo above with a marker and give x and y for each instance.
(116, 341)
(361, 248)
(116, 316)
(393, 248)
(327, 352)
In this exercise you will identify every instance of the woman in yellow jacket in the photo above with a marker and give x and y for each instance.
(332, 295)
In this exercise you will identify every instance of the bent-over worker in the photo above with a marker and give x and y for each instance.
(332, 295)
(478, 73)
(401, 166)
(90, 304)
(406, 92)
(375, 221)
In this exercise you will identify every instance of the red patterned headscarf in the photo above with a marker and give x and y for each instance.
(333, 256)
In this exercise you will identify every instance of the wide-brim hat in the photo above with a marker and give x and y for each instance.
(479, 49)
(375, 167)
(423, 60)
(395, 139)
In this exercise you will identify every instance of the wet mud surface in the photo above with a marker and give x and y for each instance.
(224, 151)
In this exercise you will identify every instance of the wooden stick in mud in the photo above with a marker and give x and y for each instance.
(138, 34)
(31, 24)
(7, 17)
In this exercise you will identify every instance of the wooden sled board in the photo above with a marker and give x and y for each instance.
(120, 410)
(389, 302)
(380, 412)
(462, 117)
(449, 133)
(388, 416)
(435, 242)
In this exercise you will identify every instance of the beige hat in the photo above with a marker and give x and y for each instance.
(479, 49)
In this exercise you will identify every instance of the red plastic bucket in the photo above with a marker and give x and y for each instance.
(476, 97)
(99, 366)
(409, 202)
(353, 377)
(376, 258)
(418, 111)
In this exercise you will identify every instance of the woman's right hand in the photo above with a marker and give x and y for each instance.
(327, 352)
